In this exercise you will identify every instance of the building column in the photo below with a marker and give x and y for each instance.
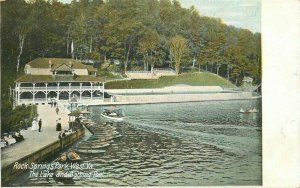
(18, 97)
(103, 91)
(33, 93)
(91, 90)
(18, 94)
(70, 91)
(80, 91)
(57, 93)
(46, 94)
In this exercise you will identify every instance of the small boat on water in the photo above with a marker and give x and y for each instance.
(251, 110)
(93, 146)
(106, 134)
(68, 156)
(117, 136)
(62, 158)
(116, 115)
(91, 151)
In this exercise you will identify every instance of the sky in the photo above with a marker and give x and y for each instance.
(239, 13)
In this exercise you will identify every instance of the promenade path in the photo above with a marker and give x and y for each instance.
(35, 140)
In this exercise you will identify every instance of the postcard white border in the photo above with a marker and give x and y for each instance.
(281, 93)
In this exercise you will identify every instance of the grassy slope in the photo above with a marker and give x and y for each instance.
(194, 79)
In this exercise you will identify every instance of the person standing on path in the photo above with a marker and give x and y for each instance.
(58, 125)
(34, 125)
(57, 110)
(40, 125)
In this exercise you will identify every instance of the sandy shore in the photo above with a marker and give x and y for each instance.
(35, 140)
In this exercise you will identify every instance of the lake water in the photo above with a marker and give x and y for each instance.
(199, 143)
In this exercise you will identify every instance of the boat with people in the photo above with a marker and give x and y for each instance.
(116, 115)
(251, 110)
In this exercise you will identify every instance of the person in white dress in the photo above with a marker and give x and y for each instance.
(11, 140)
(34, 126)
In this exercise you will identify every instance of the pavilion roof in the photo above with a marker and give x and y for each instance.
(49, 78)
(57, 62)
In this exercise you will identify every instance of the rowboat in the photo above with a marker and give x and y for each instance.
(90, 151)
(106, 134)
(117, 136)
(73, 156)
(62, 158)
(89, 146)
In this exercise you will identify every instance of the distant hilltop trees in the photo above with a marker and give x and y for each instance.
(134, 32)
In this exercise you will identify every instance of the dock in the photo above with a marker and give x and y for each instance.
(37, 145)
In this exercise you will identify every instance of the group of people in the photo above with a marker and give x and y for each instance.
(9, 139)
(36, 125)
(64, 133)
(53, 104)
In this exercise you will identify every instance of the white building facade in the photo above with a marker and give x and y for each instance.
(48, 79)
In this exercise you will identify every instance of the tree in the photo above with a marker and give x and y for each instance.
(22, 28)
(194, 34)
(178, 46)
(147, 46)
(127, 30)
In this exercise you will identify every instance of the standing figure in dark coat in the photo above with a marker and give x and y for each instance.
(40, 125)
(58, 125)
(57, 110)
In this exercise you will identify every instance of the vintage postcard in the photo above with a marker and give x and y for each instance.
(131, 93)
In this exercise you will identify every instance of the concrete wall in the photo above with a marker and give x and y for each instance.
(181, 97)
(9, 172)
(138, 75)
(149, 75)
(167, 90)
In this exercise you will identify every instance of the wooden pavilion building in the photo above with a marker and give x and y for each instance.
(58, 79)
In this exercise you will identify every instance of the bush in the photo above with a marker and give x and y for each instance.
(18, 118)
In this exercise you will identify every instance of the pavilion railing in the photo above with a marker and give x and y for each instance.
(61, 88)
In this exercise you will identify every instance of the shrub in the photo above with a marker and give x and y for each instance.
(18, 118)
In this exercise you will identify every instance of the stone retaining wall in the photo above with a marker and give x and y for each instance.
(135, 99)
(168, 90)
(9, 172)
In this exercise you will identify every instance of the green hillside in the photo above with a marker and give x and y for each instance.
(194, 79)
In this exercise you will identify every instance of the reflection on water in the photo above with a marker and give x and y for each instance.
(205, 143)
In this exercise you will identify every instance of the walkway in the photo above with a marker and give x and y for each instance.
(35, 140)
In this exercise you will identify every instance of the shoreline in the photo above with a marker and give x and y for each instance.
(140, 103)
(168, 98)
(175, 98)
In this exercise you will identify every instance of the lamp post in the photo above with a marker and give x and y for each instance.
(72, 101)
